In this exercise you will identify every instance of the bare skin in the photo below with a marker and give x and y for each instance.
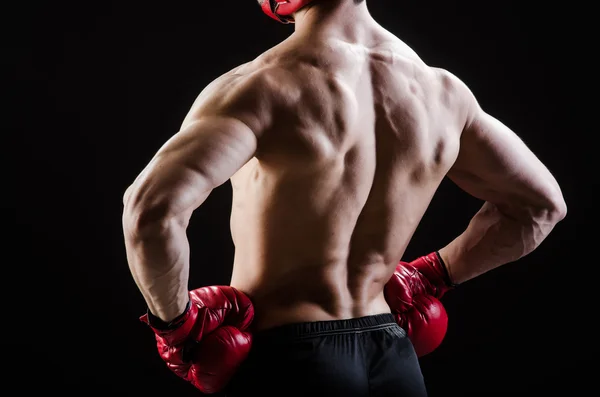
(335, 142)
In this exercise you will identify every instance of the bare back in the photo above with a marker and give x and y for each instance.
(360, 139)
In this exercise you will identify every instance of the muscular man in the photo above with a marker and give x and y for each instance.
(335, 141)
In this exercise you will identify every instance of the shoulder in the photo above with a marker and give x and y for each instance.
(251, 93)
(456, 93)
(449, 81)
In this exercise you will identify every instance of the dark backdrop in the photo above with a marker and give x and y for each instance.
(97, 87)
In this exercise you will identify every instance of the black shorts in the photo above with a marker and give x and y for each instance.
(367, 356)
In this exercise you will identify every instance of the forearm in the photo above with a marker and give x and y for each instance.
(158, 258)
(492, 239)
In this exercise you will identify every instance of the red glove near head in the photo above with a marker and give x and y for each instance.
(413, 294)
(207, 343)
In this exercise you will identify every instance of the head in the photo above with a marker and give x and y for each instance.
(282, 10)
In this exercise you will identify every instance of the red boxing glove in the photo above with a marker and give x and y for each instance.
(413, 294)
(208, 342)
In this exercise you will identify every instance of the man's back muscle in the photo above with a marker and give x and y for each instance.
(360, 140)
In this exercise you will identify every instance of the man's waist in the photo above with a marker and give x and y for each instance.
(270, 314)
(297, 331)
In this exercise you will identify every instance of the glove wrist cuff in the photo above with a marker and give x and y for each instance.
(434, 269)
(158, 324)
(447, 277)
(176, 331)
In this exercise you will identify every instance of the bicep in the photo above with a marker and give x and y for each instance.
(495, 165)
(200, 157)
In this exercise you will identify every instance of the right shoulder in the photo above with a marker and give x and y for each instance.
(252, 93)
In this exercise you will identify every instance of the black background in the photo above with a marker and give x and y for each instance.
(97, 87)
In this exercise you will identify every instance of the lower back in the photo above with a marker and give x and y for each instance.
(306, 293)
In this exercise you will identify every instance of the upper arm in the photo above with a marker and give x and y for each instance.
(217, 139)
(495, 165)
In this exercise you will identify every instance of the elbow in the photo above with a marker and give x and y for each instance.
(142, 222)
(549, 211)
(558, 209)
(143, 217)
(552, 212)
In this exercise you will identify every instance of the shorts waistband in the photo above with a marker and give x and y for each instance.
(296, 331)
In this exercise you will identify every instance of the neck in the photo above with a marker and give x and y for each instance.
(334, 17)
